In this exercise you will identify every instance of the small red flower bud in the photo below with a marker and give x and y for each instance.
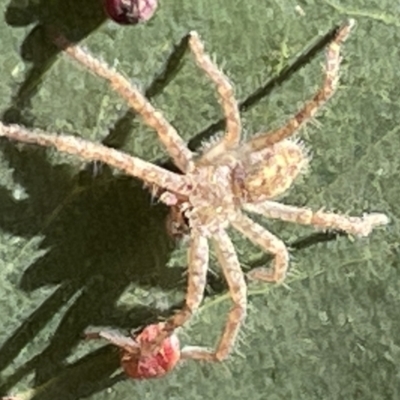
(154, 365)
(127, 12)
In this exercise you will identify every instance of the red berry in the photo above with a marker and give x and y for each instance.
(155, 365)
(130, 11)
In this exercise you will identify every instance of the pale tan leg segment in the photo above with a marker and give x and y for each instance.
(90, 151)
(167, 134)
(225, 90)
(238, 290)
(268, 242)
(310, 108)
(117, 339)
(198, 256)
(358, 226)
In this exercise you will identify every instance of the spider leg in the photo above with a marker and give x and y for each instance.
(229, 104)
(310, 108)
(229, 262)
(358, 226)
(270, 243)
(90, 151)
(167, 134)
(197, 276)
(117, 339)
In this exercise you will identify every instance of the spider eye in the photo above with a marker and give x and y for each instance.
(129, 12)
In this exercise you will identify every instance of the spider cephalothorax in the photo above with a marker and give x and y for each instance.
(221, 185)
(233, 178)
(215, 188)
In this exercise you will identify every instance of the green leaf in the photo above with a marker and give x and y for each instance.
(83, 246)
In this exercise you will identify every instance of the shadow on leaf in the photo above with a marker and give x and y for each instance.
(100, 231)
(75, 18)
(101, 241)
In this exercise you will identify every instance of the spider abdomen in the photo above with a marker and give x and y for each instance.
(273, 170)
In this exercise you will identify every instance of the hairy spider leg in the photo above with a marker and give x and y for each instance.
(198, 258)
(357, 226)
(231, 138)
(117, 339)
(167, 134)
(269, 243)
(90, 151)
(310, 108)
(197, 271)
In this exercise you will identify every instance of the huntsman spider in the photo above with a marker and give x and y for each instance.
(215, 186)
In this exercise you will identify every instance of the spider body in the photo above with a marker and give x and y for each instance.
(214, 189)
(211, 203)
(218, 188)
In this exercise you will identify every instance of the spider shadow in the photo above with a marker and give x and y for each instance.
(95, 250)
(101, 240)
(75, 18)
